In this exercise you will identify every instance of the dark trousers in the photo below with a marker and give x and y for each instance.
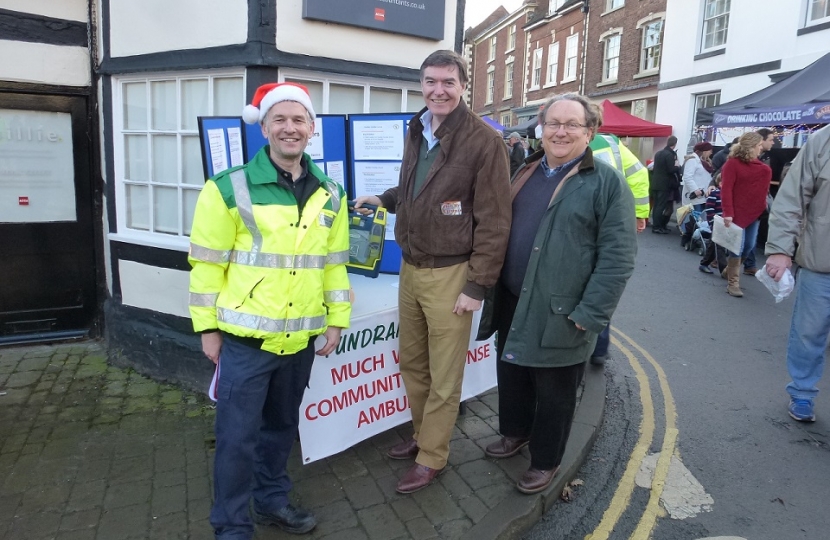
(257, 414)
(538, 403)
(712, 251)
(661, 213)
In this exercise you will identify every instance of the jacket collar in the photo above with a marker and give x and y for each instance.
(262, 160)
(535, 159)
(449, 124)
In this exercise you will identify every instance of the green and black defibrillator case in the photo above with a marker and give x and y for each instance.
(366, 235)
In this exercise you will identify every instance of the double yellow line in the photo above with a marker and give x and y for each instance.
(622, 497)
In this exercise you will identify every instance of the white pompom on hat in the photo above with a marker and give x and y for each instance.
(268, 95)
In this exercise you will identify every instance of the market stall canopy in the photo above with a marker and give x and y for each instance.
(618, 122)
(493, 124)
(802, 98)
(525, 129)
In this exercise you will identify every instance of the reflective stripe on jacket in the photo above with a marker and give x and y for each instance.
(608, 149)
(259, 269)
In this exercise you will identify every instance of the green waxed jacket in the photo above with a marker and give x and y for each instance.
(582, 258)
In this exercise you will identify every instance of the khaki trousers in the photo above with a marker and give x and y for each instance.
(433, 351)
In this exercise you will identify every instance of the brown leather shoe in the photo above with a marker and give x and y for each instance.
(535, 480)
(505, 447)
(417, 477)
(405, 450)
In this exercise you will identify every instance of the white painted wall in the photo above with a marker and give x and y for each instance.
(759, 31)
(157, 289)
(47, 64)
(74, 10)
(152, 26)
(314, 38)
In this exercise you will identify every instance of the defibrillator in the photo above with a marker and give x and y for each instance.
(366, 235)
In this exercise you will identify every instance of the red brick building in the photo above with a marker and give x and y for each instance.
(623, 58)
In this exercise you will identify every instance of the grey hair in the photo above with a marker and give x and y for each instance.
(593, 114)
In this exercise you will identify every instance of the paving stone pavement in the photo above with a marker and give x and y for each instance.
(89, 451)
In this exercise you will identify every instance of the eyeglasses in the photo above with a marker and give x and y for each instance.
(570, 127)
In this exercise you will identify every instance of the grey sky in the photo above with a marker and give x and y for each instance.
(476, 11)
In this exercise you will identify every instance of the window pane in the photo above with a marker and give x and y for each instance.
(228, 96)
(138, 209)
(414, 101)
(135, 105)
(194, 103)
(382, 100)
(192, 171)
(315, 90)
(189, 196)
(135, 158)
(345, 99)
(166, 210)
(165, 159)
(163, 105)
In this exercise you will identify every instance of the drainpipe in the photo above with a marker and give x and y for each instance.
(587, 13)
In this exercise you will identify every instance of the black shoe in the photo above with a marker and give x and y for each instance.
(660, 230)
(290, 519)
(599, 360)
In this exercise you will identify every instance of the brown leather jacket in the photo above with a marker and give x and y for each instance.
(471, 168)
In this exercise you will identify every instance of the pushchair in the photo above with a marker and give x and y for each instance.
(697, 229)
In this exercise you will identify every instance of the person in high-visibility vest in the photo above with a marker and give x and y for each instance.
(269, 247)
(609, 149)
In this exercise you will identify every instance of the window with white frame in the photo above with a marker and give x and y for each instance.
(553, 63)
(511, 40)
(611, 58)
(614, 4)
(505, 119)
(158, 156)
(493, 41)
(536, 73)
(508, 80)
(342, 94)
(818, 11)
(704, 101)
(554, 6)
(652, 39)
(715, 23)
(571, 50)
(491, 86)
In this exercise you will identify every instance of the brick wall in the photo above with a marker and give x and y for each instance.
(555, 30)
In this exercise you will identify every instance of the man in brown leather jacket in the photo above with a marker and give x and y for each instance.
(453, 221)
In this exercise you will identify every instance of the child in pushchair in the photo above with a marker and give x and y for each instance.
(696, 232)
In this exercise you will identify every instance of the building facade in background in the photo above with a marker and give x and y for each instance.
(716, 51)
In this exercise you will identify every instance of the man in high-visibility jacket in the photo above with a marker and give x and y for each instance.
(268, 249)
(609, 149)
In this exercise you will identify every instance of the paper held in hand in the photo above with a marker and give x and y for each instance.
(728, 237)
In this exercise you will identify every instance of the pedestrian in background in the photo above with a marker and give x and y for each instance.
(559, 285)
(664, 181)
(767, 142)
(714, 252)
(695, 183)
(453, 221)
(269, 248)
(801, 213)
(517, 152)
(745, 183)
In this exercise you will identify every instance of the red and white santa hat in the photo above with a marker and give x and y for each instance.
(268, 95)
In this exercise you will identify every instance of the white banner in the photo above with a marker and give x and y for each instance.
(358, 392)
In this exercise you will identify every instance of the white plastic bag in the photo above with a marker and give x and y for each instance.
(779, 289)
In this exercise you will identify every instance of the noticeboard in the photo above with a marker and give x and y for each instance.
(222, 142)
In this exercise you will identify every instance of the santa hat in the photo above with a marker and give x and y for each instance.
(268, 95)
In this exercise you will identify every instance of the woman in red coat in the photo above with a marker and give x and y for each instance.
(744, 186)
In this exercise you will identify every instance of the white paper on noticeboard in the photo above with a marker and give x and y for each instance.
(218, 152)
(378, 139)
(373, 178)
(334, 170)
(315, 142)
(235, 146)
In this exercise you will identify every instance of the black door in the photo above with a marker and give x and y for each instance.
(47, 235)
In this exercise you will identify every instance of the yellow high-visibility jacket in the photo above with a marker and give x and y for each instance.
(262, 271)
(609, 149)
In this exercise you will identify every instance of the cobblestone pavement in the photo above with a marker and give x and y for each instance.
(93, 452)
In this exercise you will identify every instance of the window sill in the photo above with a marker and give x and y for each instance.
(508, 51)
(709, 54)
(649, 73)
(488, 102)
(569, 79)
(505, 98)
(533, 88)
(162, 241)
(491, 60)
(611, 11)
(550, 85)
(814, 28)
(606, 83)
